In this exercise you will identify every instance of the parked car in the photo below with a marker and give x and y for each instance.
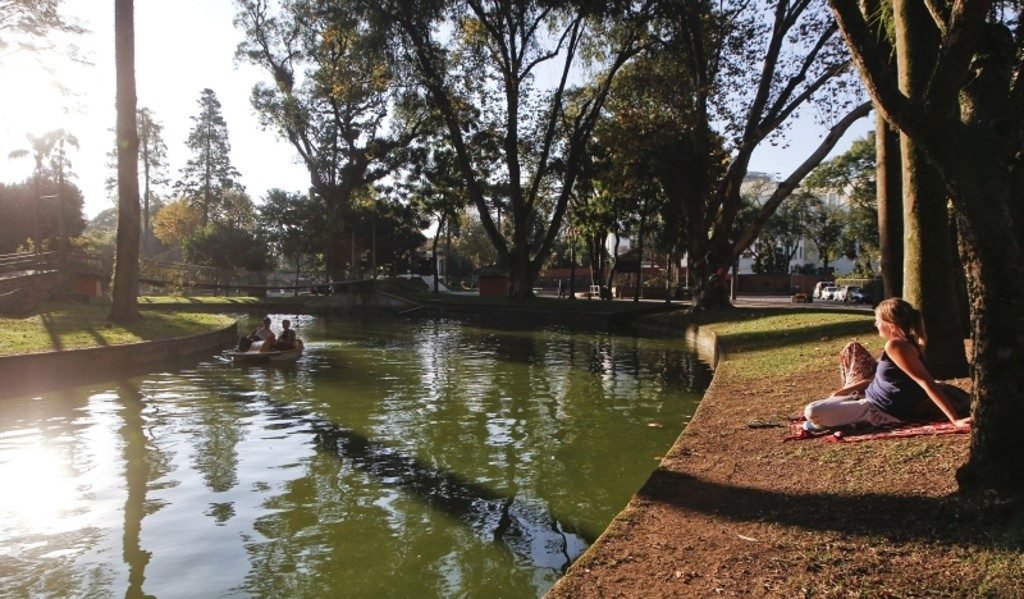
(819, 287)
(859, 295)
(829, 293)
(843, 294)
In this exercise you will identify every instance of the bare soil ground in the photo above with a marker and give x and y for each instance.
(733, 511)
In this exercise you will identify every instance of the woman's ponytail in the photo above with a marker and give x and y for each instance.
(920, 336)
(906, 318)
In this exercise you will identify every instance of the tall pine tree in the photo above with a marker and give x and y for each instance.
(209, 173)
(153, 165)
(124, 306)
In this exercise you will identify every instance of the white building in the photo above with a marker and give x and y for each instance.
(760, 186)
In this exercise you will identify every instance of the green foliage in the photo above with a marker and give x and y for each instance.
(824, 227)
(853, 174)
(733, 74)
(539, 127)
(332, 96)
(780, 239)
(393, 229)
(208, 174)
(471, 248)
(295, 225)
(224, 246)
(100, 235)
(17, 213)
(152, 159)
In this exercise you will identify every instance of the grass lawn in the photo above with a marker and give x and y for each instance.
(792, 342)
(735, 511)
(240, 301)
(70, 325)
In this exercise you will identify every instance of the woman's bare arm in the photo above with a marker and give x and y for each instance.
(905, 355)
(857, 387)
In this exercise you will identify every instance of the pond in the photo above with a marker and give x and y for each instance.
(425, 458)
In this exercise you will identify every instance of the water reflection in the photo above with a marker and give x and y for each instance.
(138, 474)
(431, 459)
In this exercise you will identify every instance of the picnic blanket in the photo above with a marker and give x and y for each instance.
(856, 435)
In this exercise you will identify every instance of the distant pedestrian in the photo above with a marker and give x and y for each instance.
(561, 288)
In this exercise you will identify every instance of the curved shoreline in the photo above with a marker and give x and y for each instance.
(705, 340)
(47, 371)
(732, 510)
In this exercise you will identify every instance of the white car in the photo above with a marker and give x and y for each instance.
(819, 287)
(829, 293)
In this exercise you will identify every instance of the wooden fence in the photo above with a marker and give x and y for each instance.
(27, 261)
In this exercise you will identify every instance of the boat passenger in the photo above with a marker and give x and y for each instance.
(286, 340)
(261, 333)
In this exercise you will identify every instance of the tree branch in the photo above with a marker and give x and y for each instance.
(896, 108)
(793, 180)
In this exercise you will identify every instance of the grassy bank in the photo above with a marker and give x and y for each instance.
(734, 511)
(70, 325)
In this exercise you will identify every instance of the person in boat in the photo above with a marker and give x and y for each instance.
(261, 333)
(896, 389)
(286, 340)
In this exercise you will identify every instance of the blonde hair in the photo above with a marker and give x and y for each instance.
(905, 317)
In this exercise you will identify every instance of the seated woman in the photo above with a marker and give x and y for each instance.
(262, 334)
(286, 340)
(899, 384)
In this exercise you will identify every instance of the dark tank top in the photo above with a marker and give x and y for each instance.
(893, 391)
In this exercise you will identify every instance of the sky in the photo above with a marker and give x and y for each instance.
(183, 46)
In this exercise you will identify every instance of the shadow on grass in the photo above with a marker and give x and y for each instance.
(52, 330)
(98, 337)
(954, 520)
(758, 340)
(168, 328)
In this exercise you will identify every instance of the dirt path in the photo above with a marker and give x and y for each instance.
(734, 511)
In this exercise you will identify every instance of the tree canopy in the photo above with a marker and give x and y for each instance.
(333, 95)
(498, 74)
(208, 174)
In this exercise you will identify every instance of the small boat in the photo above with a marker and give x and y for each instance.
(255, 356)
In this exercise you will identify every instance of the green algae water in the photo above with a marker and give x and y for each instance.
(395, 459)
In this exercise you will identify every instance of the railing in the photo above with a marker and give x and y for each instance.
(25, 261)
(175, 274)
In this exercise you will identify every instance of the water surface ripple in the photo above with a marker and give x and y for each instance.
(433, 459)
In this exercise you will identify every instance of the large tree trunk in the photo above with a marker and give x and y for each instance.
(928, 280)
(995, 277)
(336, 198)
(125, 308)
(986, 198)
(961, 122)
(889, 178)
(521, 275)
(928, 263)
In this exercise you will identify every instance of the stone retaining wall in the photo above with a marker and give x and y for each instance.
(38, 373)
